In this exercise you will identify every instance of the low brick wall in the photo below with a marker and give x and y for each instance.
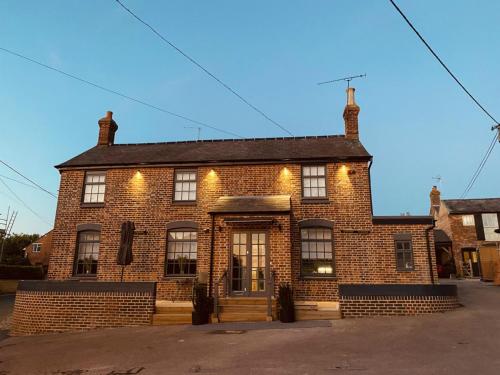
(59, 306)
(358, 301)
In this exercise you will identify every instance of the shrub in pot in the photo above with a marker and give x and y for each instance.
(201, 305)
(285, 300)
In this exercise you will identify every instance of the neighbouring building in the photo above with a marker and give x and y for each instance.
(38, 252)
(469, 238)
(243, 215)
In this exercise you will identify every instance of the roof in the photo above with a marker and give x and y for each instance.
(320, 148)
(441, 236)
(472, 206)
(403, 220)
(252, 204)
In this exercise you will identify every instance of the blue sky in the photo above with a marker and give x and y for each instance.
(414, 119)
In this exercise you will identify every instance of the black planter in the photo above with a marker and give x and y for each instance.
(199, 318)
(287, 315)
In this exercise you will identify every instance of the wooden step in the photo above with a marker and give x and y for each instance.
(245, 308)
(317, 310)
(174, 309)
(317, 315)
(171, 318)
(243, 301)
(242, 317)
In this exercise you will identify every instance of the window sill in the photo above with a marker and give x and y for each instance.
(315, 200)
(307, 277)
(178, 278)
(412, 270)
(91, 205)
(184, 203)
(84, 278)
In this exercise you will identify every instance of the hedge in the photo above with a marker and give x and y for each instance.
(17, 272)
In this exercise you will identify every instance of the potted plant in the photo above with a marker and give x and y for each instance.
(287, 307)
(201, 304)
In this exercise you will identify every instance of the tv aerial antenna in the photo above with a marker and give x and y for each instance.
(438, 180)
(195, 127)
(346, 79)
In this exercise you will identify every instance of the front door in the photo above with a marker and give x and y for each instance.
(249, 260)
(471, 261)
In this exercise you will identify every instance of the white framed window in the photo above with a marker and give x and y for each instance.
(314, 181)
(317, 252)
(490, 223)
(94, 187)
(468, 220)
(37, 247)
(185, 186)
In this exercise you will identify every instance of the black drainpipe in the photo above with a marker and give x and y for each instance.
(370, 184)
(429, 256)
(212, 242)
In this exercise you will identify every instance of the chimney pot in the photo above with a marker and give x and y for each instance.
(109, 114)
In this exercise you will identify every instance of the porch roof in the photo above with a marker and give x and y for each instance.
(252, 204)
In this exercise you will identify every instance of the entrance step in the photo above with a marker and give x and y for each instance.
(169, 313)
(317, 310)
(244, 309)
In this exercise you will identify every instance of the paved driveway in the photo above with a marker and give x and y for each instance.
(465, 341)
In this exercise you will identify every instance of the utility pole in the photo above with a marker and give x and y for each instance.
(5, 232)
(497, 127)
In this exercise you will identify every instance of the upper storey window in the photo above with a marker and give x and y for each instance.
(314, 181)
(468, 220)
(94, 187)
(185, 186)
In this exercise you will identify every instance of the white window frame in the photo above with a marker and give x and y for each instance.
(36, 247)
(314, 181)
(185, 185)
(94, 187)
(490, 223)
(468, 220)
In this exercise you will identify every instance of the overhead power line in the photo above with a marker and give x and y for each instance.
(100, 87)
(17, 181)
(442, 63)
(480, 167)
(205, 70)
(23, 202)
(493, 143)
(28, 179)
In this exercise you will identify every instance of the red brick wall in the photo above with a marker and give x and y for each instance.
(358, 307)
(38, 312)
(146, 199)
(41, 257)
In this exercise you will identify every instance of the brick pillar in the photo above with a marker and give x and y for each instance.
(107, 130)
(351, 113)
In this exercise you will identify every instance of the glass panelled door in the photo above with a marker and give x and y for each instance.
(249, 263)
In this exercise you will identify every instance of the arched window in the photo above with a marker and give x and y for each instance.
(317, 258)
(87, 255)
(182, 249)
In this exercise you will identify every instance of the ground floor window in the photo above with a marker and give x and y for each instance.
(317, 253)
(181, 253)
(87, 254)
(404, 255)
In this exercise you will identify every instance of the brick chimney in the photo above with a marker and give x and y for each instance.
(107, 130)
(435, 196)
(351, 112)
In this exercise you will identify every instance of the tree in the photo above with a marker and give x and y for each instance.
(13, 247)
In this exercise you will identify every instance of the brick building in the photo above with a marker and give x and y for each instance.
(471, 226)
(38, 252)
(245, 215)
